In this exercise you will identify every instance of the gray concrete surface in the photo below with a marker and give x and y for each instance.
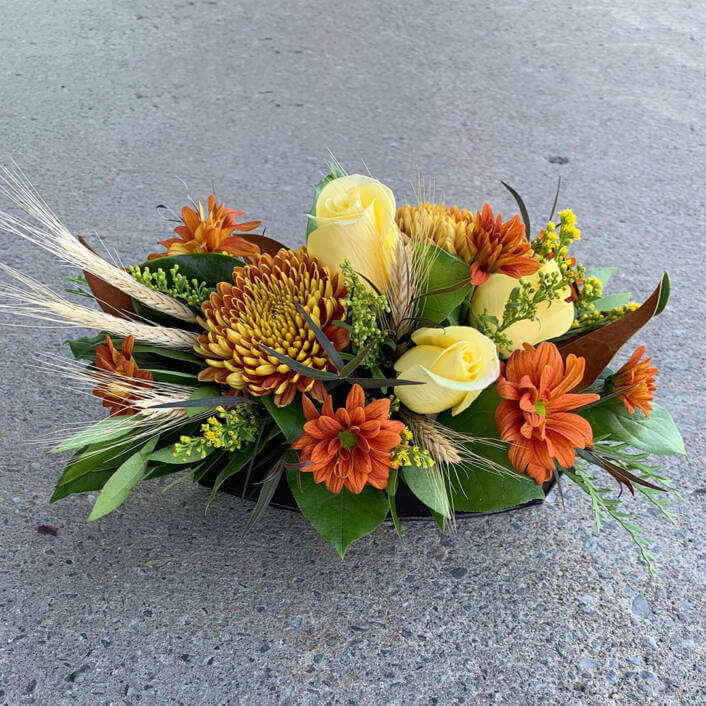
(104, 104)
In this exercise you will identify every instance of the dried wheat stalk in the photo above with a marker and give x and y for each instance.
(38, 302)
(399, 294)
(54, 237)
(430, 436)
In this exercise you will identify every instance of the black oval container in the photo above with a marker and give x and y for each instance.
(408, 506)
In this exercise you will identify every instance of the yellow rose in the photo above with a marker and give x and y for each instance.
(355, 219)
(553, 318)
(455, 363)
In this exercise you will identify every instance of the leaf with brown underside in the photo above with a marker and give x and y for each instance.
(600, 346)
(266, 245)
(111, 299)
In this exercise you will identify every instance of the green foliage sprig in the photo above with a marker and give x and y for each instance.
(607, 507)
(193, 292)
(365, 307)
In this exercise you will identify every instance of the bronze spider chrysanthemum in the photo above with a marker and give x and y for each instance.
(258, 308)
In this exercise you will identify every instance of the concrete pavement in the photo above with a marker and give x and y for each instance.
(105, 104)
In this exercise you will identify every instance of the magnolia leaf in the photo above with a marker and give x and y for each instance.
(599, 346)
(601, 273)
(341, 518)
(289, 419)
(656, 434)
(210, 268)
(111, 299)
(442, 293)
(612, 301)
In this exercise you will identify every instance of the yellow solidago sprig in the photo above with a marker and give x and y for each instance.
(229, 430)
(408, 454)
(553, 244)
(191, 291)
(596, 319)
(365, 307)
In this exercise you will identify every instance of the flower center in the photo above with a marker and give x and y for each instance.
(540, 408)
(348, 439)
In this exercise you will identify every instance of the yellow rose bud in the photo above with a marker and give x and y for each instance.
(455, 364)
(553, 318)
(355, 219)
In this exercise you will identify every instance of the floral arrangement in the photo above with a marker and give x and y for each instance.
(425, 352)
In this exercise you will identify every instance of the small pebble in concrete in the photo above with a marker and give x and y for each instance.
(640, 606)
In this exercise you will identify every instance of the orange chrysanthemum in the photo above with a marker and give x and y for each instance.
(209, 232)
(352, 446)
(535, 416)
(637, 378)
(483, 241)
(259, 308)
(117, 364)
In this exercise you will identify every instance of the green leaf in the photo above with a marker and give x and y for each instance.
(236, 461)
(119, 485)
(170, 353)
(84, 348)
(477, 489)
(439, 519)
(429, 485)
(299, 367)
(289, 419)
(201, 393)
(391, 491)
(174, 376)
(656, 434)
(166, 455)
(445, 271)
(107, 429)
(602, 273)
(86, 483)
(334, 173)
(612, 301)
(95, 458)
(522, 207)
(341, 518)
(210, 268)
(664, 291)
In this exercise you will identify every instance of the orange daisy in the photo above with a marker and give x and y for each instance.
(495, 246)
(352, 446)
(116, 395)
(639, 378)
(482, 241)
(209, 231)
(535, 416)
